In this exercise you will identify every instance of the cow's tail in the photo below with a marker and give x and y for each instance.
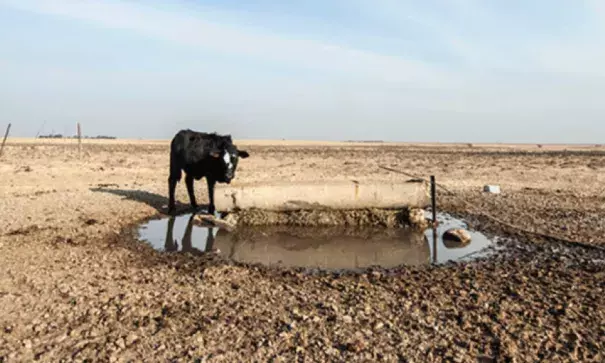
(175, 167)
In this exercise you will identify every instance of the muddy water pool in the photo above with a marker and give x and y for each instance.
(316, 247)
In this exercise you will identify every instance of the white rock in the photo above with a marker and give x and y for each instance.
(494, 189)
(458, 235)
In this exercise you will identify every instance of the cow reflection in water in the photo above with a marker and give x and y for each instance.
(330, 248)
(172, 245)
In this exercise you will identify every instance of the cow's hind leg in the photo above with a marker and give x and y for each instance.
(190, 191)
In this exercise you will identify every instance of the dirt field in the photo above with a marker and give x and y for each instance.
(73, 286)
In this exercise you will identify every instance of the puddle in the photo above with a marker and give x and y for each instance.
(330, 248)
(448, 250)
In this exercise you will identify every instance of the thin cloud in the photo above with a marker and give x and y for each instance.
(177, 26)
(554, 37)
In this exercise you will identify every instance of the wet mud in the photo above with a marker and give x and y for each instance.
(361, 217)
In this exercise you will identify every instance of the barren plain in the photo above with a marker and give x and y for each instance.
(75, 286)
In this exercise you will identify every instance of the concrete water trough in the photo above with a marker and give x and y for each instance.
(338, 195)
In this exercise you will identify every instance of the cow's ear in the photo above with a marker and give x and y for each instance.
(215, 152)
(242, 154)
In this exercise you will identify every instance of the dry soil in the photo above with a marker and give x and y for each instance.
(74, 285)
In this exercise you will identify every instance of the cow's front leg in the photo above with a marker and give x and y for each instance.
(171, 189)
(211, 182)
(189, 183)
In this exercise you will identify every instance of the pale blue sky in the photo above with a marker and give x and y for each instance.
(397, 70)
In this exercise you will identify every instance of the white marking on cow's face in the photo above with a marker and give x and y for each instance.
(227, 159)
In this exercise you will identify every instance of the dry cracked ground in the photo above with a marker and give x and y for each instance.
(75, 286)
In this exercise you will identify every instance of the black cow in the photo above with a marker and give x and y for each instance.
(200, 155)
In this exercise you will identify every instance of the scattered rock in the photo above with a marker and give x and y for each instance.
(416, 218)
(376, 275)
(457, 235)
(231, 219)
(131, 339)
(493, 189)
(25, 169)
(91, 221)
(120, 343)
(356, 345)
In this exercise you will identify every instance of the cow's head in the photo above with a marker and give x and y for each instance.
(228, 155)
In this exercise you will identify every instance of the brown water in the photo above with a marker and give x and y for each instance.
(325, 248)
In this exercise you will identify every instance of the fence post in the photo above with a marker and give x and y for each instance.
(433, 200)
(434, 210)
(79, 140)
(8, 128)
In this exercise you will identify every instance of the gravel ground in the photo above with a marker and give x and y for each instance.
(75, 285)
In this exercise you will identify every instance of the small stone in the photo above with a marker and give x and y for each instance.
(347, 319)
(378, 326)
(457, 235)
(357, 345)
(332, 351)
(416, 218)
(132, 338)
(121, 343)
(493, 189)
